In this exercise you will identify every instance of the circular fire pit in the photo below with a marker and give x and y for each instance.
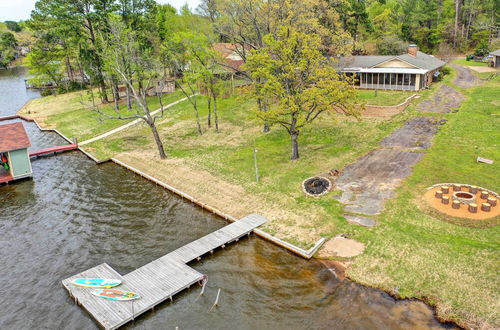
(464, 197)
(316, 186)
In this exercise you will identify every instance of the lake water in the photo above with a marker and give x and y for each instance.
(75, 214)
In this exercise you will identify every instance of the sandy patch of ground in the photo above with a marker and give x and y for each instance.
(341, 247)
(227, 197)
(462, 212)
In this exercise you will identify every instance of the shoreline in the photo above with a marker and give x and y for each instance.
(339, 266)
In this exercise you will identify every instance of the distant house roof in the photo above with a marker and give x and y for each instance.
(13, 136)
(495, 53)
(421, 61)
(231, 54)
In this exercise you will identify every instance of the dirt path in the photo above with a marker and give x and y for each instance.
(465, 78)
(373, 178)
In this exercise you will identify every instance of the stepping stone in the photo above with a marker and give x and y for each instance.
(359, 220)
(341, 247)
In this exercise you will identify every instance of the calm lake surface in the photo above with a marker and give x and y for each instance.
(75, 215)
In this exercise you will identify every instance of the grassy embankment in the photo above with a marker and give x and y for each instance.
(73, 116)
(450, 265)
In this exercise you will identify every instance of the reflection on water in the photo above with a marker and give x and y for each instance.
(75, 215)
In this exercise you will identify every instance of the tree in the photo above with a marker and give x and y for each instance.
(302, 83)
(8, 45)
(13, 26)
(126, 58)
(390, 45)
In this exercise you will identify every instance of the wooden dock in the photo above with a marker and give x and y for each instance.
(53, 150)
(158, 280)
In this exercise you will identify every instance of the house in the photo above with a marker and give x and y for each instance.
(496, 58)
(411, 71)
(14, 158)
(231, 55)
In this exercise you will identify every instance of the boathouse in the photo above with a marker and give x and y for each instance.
(14, 158)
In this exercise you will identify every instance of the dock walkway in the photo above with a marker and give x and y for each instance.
(53, 150)
(158, 280)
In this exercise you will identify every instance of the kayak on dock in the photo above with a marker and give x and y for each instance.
(96, 282)
(114, 294)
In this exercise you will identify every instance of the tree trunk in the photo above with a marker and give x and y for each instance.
(209, 118)
(455, 30)
(295, 145)
(129, 99)
(195, 106)
(216, 115)
(116, 94)
(159, 144)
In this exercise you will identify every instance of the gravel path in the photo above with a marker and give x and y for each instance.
(465, 77)
(373, 178)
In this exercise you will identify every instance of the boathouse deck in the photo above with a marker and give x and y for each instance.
(158, 280)
(53, 150)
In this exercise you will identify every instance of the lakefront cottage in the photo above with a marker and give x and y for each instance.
(411, 71)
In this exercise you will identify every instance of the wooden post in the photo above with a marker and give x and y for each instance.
(473, 208)
(438, 194)
(457, 187)
(484, 194)
(492, 201)
(473, 190)
(216, 300)
(445, 200)
(456, 205)
(255, 164)
(485, 207)
(445, 189)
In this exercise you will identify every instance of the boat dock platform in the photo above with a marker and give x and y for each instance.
(158, 280)
(53, 150)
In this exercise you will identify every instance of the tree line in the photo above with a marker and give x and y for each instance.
(286, 46)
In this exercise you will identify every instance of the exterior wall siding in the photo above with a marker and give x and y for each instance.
(20, 162)
(394, 64)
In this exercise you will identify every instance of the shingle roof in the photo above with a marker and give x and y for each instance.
(13, 136)
(421, 61)
(496, 52)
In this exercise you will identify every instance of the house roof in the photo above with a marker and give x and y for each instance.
(496, 52)
(230, 54)
(421, 61)
(13, 136)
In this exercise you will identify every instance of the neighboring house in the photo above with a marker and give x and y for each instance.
(14, 157)
(411, 71)
(230, 54)
(496, 58)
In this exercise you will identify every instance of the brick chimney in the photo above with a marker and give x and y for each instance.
(412, 50)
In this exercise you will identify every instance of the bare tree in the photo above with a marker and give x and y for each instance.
(137, 67)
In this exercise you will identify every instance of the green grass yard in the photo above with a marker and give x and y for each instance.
(464, 62)
(372, 97)
(73, 116)
(412, 252)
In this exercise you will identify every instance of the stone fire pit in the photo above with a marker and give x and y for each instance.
(316, 186)
(464, 197)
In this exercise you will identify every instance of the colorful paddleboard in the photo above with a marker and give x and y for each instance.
(96, 282)
(114, 294)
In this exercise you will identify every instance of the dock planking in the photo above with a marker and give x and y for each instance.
(158, 280)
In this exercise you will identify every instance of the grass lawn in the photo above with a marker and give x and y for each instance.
(449, 262)
(464, 62)
(411, 252)
(384, 97)
(72, 115)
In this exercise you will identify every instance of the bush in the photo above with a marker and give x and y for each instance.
(13, 26)
(445, 70)
(390, 45)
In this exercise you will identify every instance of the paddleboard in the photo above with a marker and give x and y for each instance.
(96, 282)
(114, 294)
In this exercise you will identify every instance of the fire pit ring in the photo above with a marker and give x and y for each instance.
(316, 186)
(464, 197)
